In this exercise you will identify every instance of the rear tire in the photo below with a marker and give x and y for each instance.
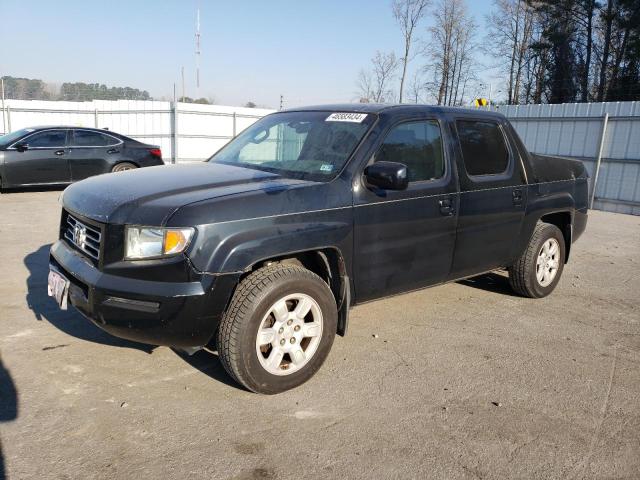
(537, 272)
(268, 344)
(123, 166)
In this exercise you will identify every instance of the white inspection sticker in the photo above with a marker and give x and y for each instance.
(346, 117)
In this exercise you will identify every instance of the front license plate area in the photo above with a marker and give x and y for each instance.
(58, 288)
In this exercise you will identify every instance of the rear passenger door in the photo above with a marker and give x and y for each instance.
(404, 239)
(492, 196)
(92, 153)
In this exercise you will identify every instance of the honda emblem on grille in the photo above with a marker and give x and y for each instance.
(79, 235)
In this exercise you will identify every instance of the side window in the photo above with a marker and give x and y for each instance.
(483, 147)
(47, 139)
(418, 145)
(87, 138)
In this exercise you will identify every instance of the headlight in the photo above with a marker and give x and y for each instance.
(149, 242)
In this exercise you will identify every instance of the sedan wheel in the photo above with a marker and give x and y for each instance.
(124, 166)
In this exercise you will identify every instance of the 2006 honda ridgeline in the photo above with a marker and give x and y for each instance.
(261, 251)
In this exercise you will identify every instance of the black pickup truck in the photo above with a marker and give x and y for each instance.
(260, 252)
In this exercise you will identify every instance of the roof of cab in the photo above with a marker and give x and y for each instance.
(392, 108)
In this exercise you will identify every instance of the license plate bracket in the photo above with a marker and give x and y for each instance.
(58, 288)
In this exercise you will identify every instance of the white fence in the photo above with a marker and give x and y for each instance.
(609, 132)
(184, 131)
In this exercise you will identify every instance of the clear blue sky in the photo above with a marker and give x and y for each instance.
(308, 50)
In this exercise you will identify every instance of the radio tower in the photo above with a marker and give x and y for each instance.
(198, 48)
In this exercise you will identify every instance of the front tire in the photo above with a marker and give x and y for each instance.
(278, 329)
(537, 272)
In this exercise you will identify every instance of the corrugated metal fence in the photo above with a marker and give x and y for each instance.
(187, 132)
(589, 131)
(184, 131)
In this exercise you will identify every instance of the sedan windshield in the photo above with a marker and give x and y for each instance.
(9, 138)
(305, 145)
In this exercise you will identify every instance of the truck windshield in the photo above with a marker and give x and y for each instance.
(305, 145)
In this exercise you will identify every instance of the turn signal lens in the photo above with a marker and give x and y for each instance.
(175, 241)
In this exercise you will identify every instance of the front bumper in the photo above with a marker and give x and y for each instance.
(179, 314)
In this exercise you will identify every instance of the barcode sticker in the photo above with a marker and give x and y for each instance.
(347, 117)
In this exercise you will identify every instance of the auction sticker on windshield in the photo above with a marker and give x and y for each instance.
(346, 117)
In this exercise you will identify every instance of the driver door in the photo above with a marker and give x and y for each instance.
(405, 240)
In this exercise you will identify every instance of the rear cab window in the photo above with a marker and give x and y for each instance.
(418, 145)
(484, 148)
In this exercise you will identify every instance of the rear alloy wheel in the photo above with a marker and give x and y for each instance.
(278, 328)
(548, 262)
(537, 272)
(123, 167)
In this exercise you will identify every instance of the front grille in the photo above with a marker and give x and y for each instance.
(84, 237)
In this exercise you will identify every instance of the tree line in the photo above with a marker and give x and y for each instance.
(35, 89)
(546, 51)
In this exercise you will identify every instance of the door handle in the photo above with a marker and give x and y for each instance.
(517, 196)
(113, 150)
(446, 207)
(59, 152)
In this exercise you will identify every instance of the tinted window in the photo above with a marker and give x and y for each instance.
(9, 138)
(483, 147)
(48, 139)
(87, 138)
(418, 145)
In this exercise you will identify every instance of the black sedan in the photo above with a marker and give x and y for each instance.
(61, 155)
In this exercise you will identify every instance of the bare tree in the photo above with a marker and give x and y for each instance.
(417, 88)
(373, 85)
(408, 14)
(365, 86)
(451, 51)
(508, 38)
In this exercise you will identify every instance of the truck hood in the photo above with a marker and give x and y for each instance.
(148, 196)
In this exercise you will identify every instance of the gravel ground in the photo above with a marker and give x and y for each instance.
(459, 381)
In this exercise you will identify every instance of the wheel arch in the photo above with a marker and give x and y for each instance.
(326, 262)
(563, 219)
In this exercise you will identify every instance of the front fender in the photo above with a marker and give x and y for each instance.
(238, 245)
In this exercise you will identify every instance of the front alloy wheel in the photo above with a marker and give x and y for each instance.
(278, 328)
(289, 334)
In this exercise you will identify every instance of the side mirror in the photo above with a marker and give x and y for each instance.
(21, 147)
(387, 175)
